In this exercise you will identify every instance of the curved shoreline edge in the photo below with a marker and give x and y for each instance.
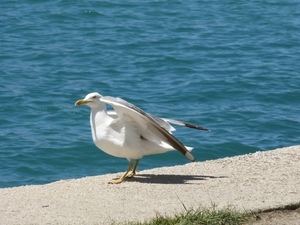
(258, 181)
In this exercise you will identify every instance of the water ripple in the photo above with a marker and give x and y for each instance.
(230, 66)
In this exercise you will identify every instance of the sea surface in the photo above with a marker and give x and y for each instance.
(230, 66)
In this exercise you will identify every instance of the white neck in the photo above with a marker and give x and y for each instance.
(100, 119)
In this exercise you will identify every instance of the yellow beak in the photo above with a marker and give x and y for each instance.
(80, 102)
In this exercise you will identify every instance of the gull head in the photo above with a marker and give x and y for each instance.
(92, 100)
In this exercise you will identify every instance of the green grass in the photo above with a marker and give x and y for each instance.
(212, 216)
(201, 217)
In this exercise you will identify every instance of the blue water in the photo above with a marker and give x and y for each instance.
(231, 66)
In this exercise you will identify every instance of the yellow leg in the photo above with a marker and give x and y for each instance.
(120, 180)
(130, 175)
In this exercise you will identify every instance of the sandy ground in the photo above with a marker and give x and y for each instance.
(278, 217)
(256, 181)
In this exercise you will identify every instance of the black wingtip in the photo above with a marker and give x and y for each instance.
(195, 126)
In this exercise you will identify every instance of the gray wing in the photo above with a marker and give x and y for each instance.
(165, 123)
(147, 122)
(162, 122)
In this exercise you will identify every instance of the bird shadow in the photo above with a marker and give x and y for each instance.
(170, 178)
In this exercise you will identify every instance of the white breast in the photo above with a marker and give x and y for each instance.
(115, 137)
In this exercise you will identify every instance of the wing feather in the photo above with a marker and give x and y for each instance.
(186, 124)
(165, 122)
(128, 111)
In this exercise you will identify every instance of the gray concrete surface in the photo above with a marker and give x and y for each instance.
(256, 181)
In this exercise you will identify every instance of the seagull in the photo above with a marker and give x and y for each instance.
(129, 132)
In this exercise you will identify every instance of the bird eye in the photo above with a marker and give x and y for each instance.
(94, 97)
